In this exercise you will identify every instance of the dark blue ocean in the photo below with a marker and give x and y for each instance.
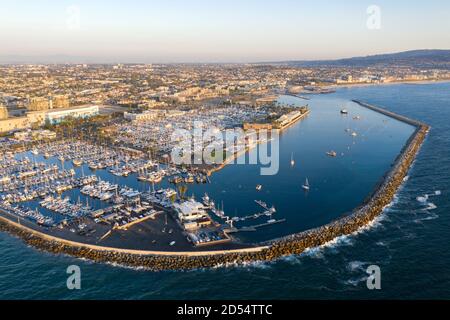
(408, 242)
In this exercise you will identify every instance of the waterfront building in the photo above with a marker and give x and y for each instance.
(290, 118)
(192, 215)
(54, 117)
(146, 115)
(257, 126)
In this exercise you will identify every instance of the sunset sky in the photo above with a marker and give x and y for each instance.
(218, 31)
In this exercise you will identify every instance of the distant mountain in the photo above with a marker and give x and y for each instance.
(55, 59)
(417, 58)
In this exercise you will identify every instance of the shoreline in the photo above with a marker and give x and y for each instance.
(267, 251)
(415, 82)
(247, 149)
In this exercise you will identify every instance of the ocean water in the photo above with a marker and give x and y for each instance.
(408, 241)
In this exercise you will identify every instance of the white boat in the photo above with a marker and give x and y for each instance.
(332, 154)
(306, 185)
(77, 162)
(106, 196)
(259, 187)
(35, 152)
(344, 111)
(206, 200)
(292, 160)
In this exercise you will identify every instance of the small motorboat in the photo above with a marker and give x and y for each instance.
(332, 154)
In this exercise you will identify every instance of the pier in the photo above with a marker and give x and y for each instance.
(297, 96)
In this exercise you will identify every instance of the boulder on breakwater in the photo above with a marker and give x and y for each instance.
(293, 244)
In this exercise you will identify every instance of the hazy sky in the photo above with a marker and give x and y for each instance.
(218, 30)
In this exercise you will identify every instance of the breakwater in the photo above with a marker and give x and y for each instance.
(293, 244)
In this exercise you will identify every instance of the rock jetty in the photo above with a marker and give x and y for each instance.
(275, 249)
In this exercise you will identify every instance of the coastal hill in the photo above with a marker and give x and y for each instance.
(415, 58)
(439, 59)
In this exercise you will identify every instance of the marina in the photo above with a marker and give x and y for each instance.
(94, 193)
(293, 244)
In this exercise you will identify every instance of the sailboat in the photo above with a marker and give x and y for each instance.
(306, 186)
(292, 160)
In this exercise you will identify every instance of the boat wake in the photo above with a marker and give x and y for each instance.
(354, 266)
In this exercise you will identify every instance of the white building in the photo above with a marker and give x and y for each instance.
(57, 116)
(147, 115)
(189, 211)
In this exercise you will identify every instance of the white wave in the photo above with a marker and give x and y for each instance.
(356, 281)
(356, 265)
(243, 265)
(345, 240)
(315, 253)
(292, 259)
(122, 266)
(429, 217)
(405, 179)
(423, 199)
(382, 244)
(438, 193)
(431, 206)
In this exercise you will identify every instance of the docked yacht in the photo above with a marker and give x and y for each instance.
(77, 162)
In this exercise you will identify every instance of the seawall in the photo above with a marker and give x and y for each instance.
(293, 244)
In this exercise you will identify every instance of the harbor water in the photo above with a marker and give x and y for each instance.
(407, 242)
